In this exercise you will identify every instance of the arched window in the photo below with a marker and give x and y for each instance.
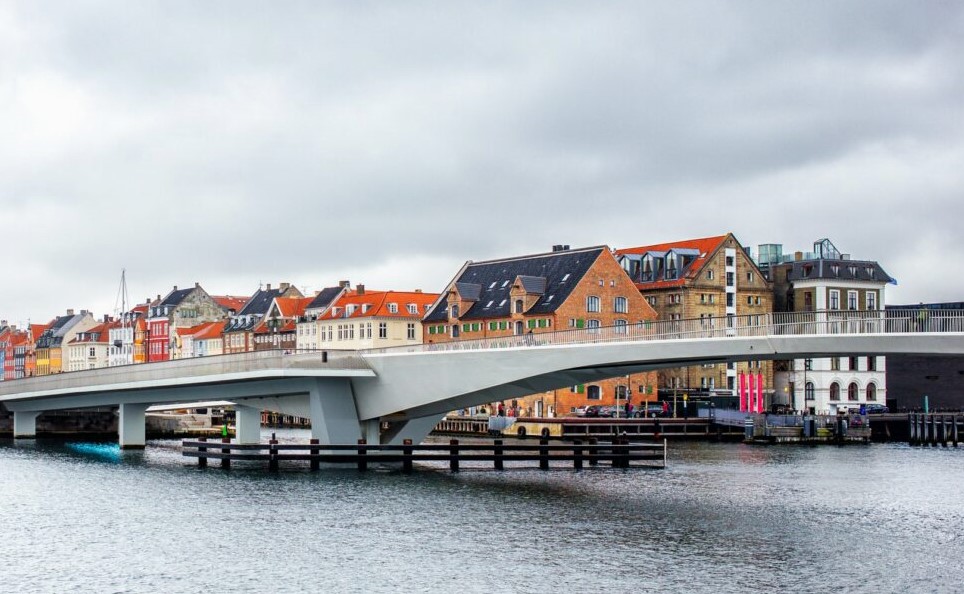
(620, 305)
(852, 391)
(835, 391)
(871, 392)
(619, 326)
(455, 311)
(592, 304)
(593, 393)
(621, 392)
(518, 306)
(809, 391)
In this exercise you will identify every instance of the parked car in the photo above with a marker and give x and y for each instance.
(592, 410)
(652, 411)
(579, 411)
(875, 408)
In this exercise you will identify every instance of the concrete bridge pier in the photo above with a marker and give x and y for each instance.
(415, 429)
(25, 424)
(371, 431)
(247, 424)
(331, 406)
(131, 428)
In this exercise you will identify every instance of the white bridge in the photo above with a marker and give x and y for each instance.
(353, 394)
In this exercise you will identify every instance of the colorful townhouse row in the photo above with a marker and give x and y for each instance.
(710, 279)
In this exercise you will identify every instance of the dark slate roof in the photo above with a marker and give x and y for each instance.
(174, 298)
(54, 335)
(495, 279)
(533, 284)
(469, 291)
(325, 298)
(838, 269)
(259, 302)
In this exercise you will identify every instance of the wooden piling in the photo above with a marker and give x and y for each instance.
(273, 455)
(954, 429)
(202, 461)
(593, 460)
(407, 455)
(315, 465)
(226, 462)
(498, 451)
(577, 454)
(454, 455)
(362, 452)
(543, 454)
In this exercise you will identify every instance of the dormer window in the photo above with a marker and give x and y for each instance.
(870, 271)
(412, 308)
(454, 312)
(365, 307)
(349, 310)
(671, 268)
(835, 269)
(519, 306)
(853, 271)
(335, 311)
(393, 308)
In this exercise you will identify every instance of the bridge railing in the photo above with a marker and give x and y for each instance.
(197, 367)
(809, 323)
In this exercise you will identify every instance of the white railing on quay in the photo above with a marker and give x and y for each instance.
(807, 323)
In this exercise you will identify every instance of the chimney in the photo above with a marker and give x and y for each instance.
(797, 256)
(197, 285)
(418, 290)
(106, 318)
(360, 289)
(344, 284)
(175, 287)
(70, 312)
(269, 287)
(284, 287)
(560, 248)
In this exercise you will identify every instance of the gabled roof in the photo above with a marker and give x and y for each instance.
(175, 297)
(561, 271)
(837, 269)
(259, 303)
(377, 304)
(324, 298)
(230, 302)
(96, 334)
(700, 249)
(291, 307)
(208, 330)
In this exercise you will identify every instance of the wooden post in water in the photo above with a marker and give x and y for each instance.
(272, 454)
(454, 455)
(226, 462)
(202, 461)
(543, 454)
(954, 429)
(577, 454)
(315, 464)
(497, 450)
(362, 452)
(594, 451)
(407, 455)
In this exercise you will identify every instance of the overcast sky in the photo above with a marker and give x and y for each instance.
(237, 143)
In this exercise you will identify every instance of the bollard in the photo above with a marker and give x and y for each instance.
(498, 454)
(454, 455)
(407, 455)
(226, 462)
(577, 454)
(362, 451)
(202, 461)
(543, 454)
(314, 452)
(273, 454)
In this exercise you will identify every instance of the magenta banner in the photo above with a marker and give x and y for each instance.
(743, 399)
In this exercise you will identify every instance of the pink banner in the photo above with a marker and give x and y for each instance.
(761, 405)
(743, 399)
(751, 389)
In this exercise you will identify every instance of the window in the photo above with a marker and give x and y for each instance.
(852, 391)
(620, 305)
(871, 392)
(413, 308)
(871, 363)
(709, 274)
(592, 304)
(730, 299)
(93, 353)
(593, 326)
(455, 330)
(519, 306)
(853, 364)
(622, 392)
(834, 299)
(809, 392)
(871, 299)
(852, 300)
(835, 391)
(749, 300)
(730, 279)
(835, 364)
(729, 261)
(393, 308)
(620, 327)
(808, 364)
(411, 331)
(651, 300)
(455, 311)
(749, 277)
(493, 325)
(594, 393)
(383, 330)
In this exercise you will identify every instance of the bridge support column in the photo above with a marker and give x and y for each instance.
(371, 431)
(25, 424)
(131, 428)
(415, 429)
(334, 418)
(247, 424)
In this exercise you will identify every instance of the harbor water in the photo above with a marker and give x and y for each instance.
(87, 517)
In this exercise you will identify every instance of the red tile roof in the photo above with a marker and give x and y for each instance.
(230, 301)
(706, 246)
(378, 304)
